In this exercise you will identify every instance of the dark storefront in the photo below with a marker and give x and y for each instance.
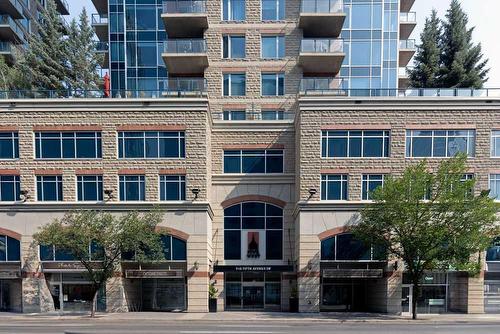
(10, 275)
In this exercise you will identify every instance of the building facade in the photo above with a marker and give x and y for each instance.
(259, 208)
(19, 19)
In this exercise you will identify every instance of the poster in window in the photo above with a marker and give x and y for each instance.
(253, 245)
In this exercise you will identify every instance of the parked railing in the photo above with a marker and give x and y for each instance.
(184, 6)
(408, 44)
(322, 6)
(185, 46)
(257, 116)
(409, 92)
(321, 45)
(408, 17)
(185, 84)
(95, 94)
(312, 84)
(100, 19)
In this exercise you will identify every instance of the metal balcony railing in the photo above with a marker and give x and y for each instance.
(321, 45)
(408, 44)
(99, 19)
(322, 6)
(185, 46)
(15, 26)
(184, 6)
(313, 84)
(185, 85)
(5, 47)
(407, 92)
(257, 116)
(409, 17)
(102, 46)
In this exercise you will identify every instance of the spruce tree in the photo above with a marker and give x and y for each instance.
(462, 63)
(45, 64)
(83, 59)
(426, 71)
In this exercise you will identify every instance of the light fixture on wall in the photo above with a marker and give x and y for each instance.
(109, 194)
(196, 265)
(312, 192)
(24, 195)
(195, 192)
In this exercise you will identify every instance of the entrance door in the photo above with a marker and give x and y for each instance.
(253, 297)
(4, 296)
(406, 299)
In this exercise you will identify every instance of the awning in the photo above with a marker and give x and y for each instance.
(279, 268)
(10, 273)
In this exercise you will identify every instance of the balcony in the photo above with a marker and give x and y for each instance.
(310, 85)
(10, 30)
(403, 77)
(185, 56)
(407, 49)
(185, 18)
(407, 23)
(101, 6)
(102, 48)
(321, 55)
(100, 23)
(6, 50)
(174, 87)
(62, 7)
(406, 5)
(12, 7)
(321, 18)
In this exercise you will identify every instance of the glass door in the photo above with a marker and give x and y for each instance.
(253, 297)
(406, 299)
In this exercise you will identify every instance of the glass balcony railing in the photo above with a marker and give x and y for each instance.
(409, 17)
(6, 20)
(5, 47)
(65, 4)
(185, 85)
(314, 84)
(185, 46)
(322, 6)
(184, 6)
(407, 44)
(99, 19)
(322, 45)
(102, 46)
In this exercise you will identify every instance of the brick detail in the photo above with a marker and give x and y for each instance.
(172, 171)
(151, 128)
(94, 171)
(253, 198)
(191, 274)
(441, 126)
(334, 231)
(131, 171)
(356, 127)
(308, 274)
(173, 232)
(10, 233)
(10, 172)
(253, 146)
(48, 172)
(8, 128)
(335, 171)
(67, 128)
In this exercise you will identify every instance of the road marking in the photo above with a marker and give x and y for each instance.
(219, 332)
(257, 326)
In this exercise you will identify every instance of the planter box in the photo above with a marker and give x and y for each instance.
(294, 304)
(212, 305)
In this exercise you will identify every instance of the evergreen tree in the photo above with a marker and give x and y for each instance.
(83, 59)
(462, 63)
(426, 71)
(45, 64)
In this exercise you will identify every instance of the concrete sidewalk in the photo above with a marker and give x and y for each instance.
(258, 316)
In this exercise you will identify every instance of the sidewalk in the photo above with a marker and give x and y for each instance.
(260, 316)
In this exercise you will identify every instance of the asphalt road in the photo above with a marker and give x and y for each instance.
(39, 326)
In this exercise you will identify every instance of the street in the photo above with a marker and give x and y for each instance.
(120, 326)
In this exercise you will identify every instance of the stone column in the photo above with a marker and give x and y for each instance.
(197, 273)
(308, 276)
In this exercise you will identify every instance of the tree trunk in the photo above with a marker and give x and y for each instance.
(94, 304)
(416, 290)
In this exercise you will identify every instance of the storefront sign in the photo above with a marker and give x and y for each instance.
(66, 266)
(222, 268)
(154, 273)
(353, 273)
(10, 274)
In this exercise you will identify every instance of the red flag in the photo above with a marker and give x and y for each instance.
(107, 85)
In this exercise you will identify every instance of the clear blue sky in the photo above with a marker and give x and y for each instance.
(483, 14)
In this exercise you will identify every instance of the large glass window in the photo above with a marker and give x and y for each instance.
(253, 161)
(250, 223)
(345, 247)
(272, 115)
(273, 84)
(439, 143)
(495, 144)
(172, 187)
(273, 47)
(234, 115)
(50, 253)
(493, 253)
(495, 186)
(233, 10)
(132, 188)
(355, 144)
(68, 145)
(89, 187)
(10, 188)
(174, 249)
(370, 182)
(234, 84)
(49, 188)
(10, 249)
(233, 46)
(334, 187)
(151, 144)
(9, 145)
(273, 10)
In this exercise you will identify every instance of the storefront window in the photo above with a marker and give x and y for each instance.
(10, 249)
(253, 290)
(345, 247)
(174, 249)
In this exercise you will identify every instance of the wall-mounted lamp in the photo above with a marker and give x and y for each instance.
(109, 194)
(195, 192)
(312, 192)
(196, 265)
(24, 195)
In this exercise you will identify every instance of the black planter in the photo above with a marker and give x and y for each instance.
(212, 304)
(294, 304)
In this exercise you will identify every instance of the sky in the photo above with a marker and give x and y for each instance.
(483, 14)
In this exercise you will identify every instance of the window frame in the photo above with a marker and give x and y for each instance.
(38, 138)
(229, 39)
(495, 151)
(181, 144)
(229, 114)
(182, 186)
(279, 115)
(142, 187)
(59, 191)
(241, 155)
(230, 18)
(230, 80)
(409, 141)
(54, 252)
(368, 175)
(6, 240)
(494, 177)
(98, 179)
(278, 77)
(344, 182)
(14, 137)
(386, 136)
(277, 11)
(372, 251)
(277, 45)
(16, 187)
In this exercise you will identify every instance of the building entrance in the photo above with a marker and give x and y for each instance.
(253, 291)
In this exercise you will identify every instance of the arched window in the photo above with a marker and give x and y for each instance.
(10, 249)
(344, 247)
(174, 249)
(253, 230)
(493, 253)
